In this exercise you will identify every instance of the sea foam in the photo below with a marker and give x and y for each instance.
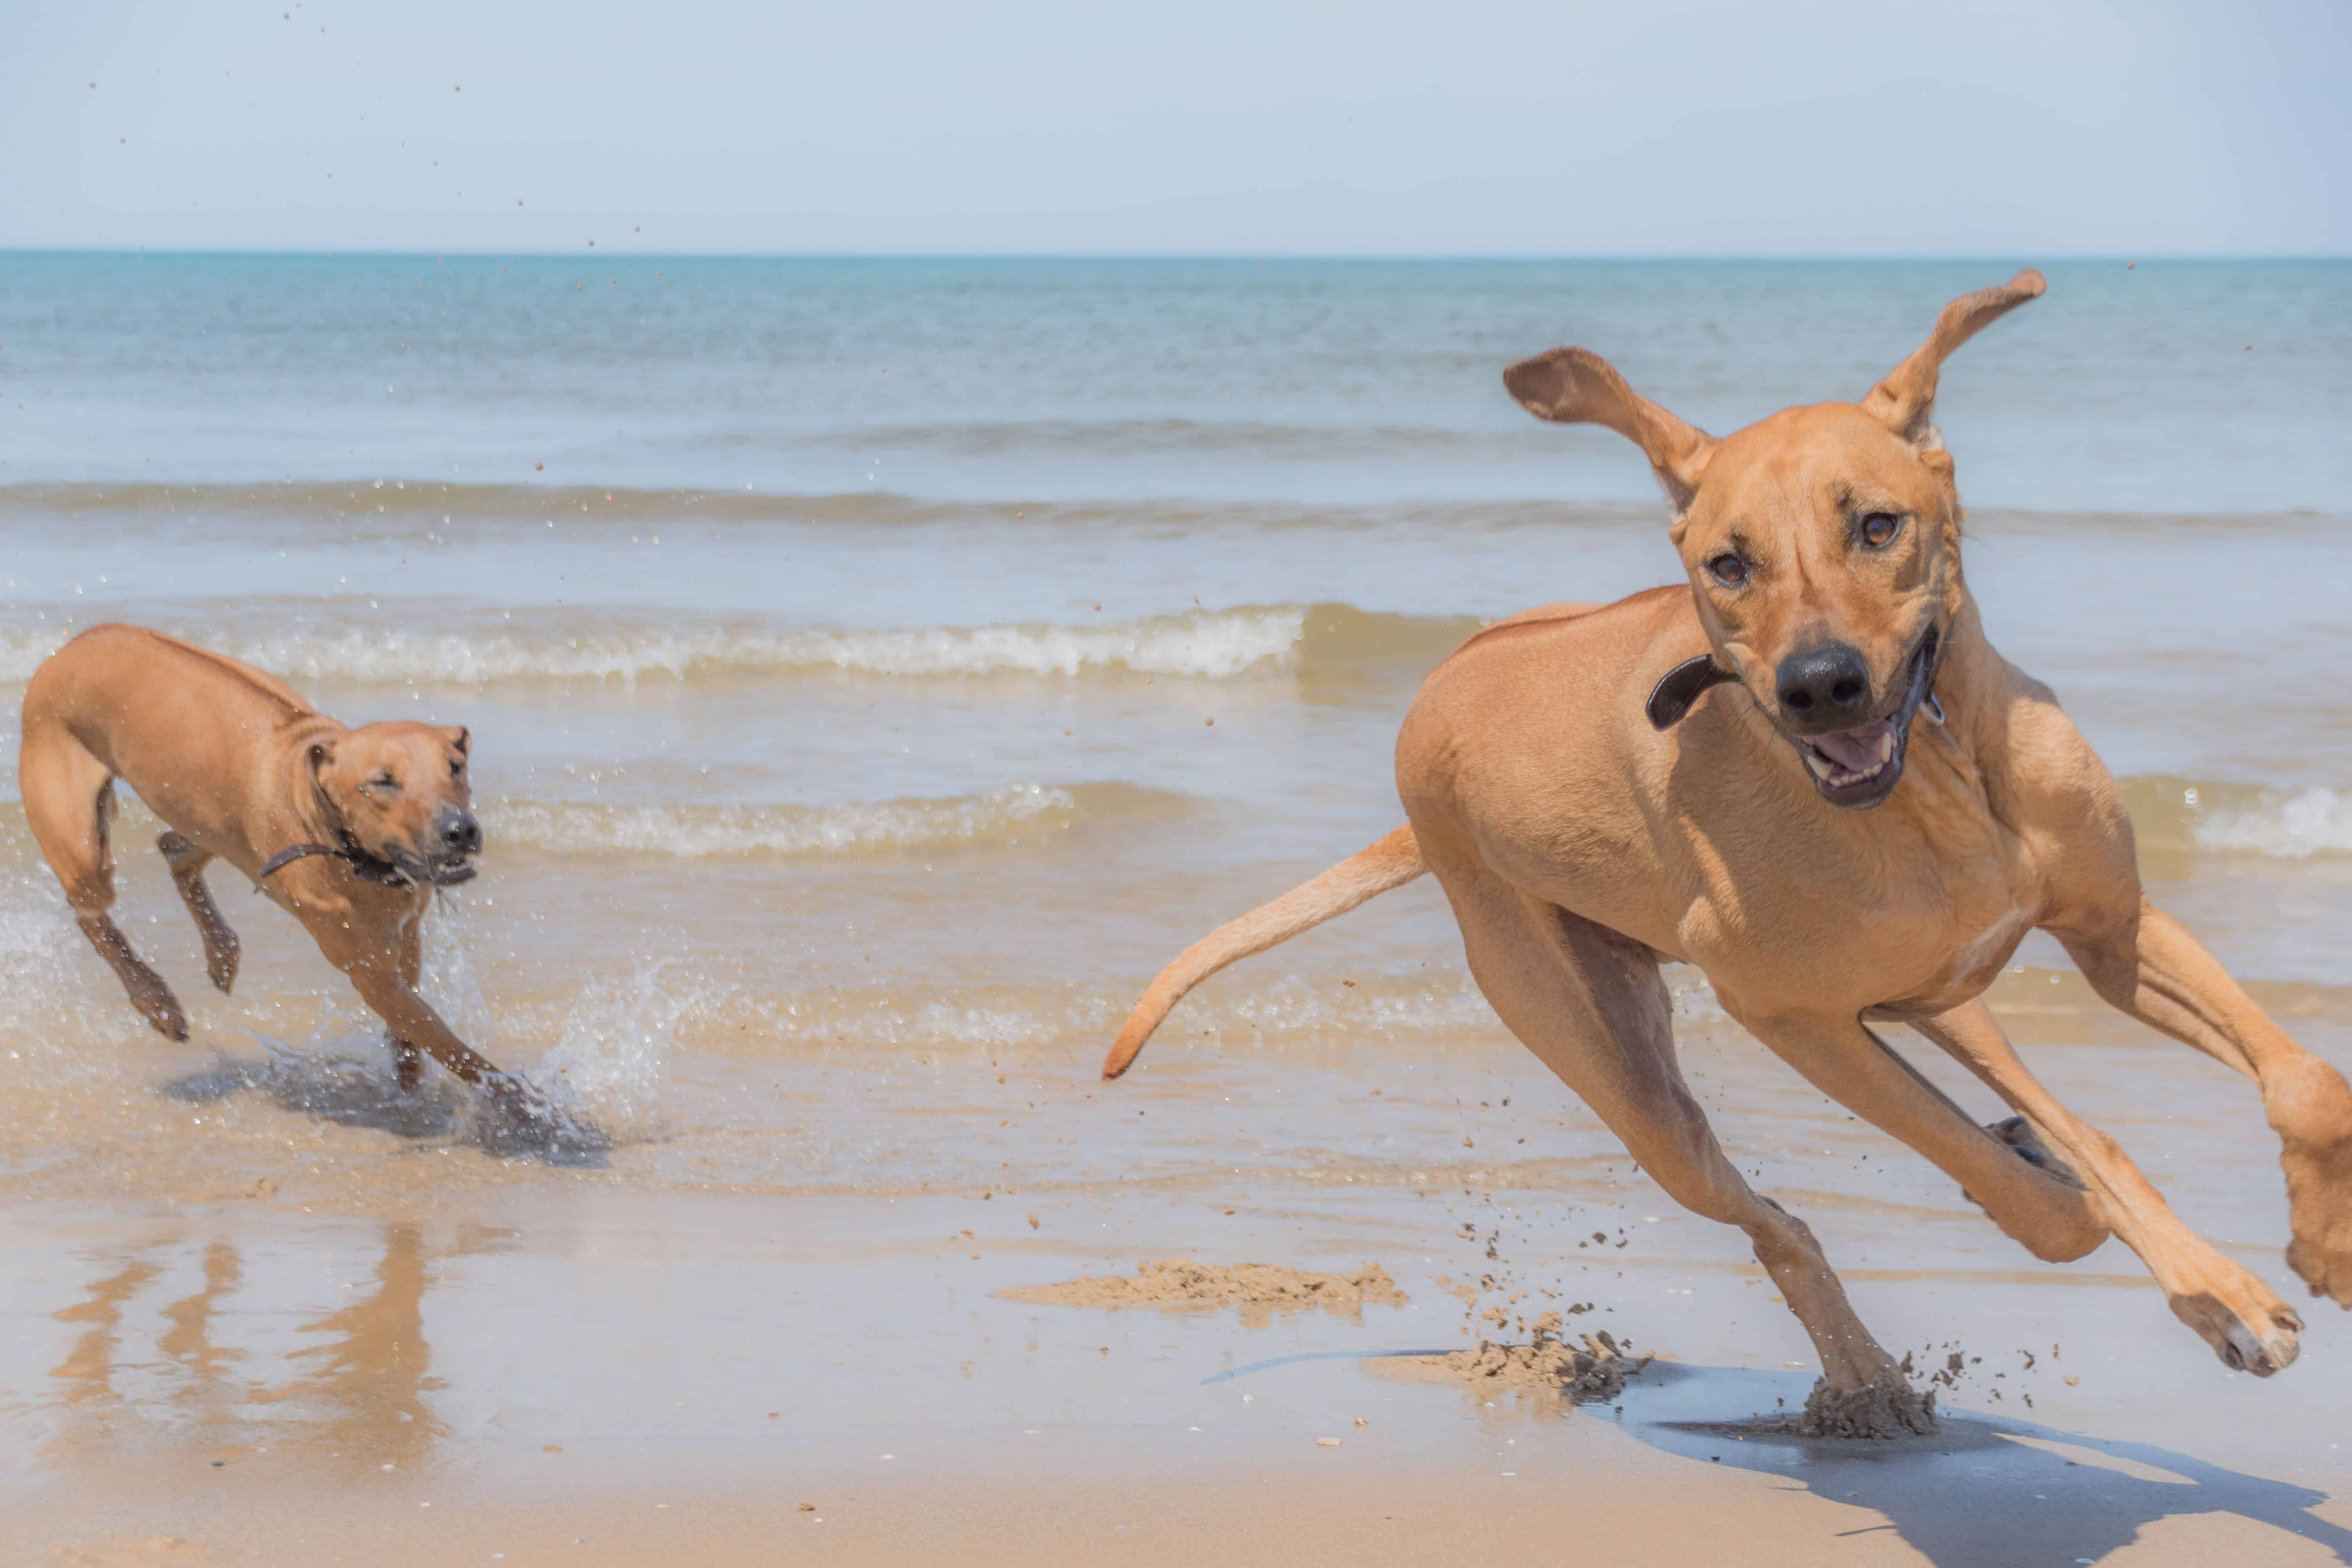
(700, 831)
(2317, 821)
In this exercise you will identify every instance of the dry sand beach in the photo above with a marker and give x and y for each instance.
(835, 824)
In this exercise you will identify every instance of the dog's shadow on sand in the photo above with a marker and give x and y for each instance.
(1984, 1491)
(353, 1084)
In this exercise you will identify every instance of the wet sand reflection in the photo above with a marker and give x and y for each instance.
(373, 1372)
(359, 1391)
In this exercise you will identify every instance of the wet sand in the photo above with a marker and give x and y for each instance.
(300, 1341)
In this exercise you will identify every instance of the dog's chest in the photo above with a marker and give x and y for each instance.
(1917, 911)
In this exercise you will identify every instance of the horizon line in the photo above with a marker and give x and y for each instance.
(1260, 258)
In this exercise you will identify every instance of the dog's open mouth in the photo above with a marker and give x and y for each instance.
(435, 873)
(1859, 767)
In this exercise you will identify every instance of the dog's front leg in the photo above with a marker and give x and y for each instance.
(2152, 968)
(415, 1025)
(2247, 1325)
(368, 946)
(407, 1061)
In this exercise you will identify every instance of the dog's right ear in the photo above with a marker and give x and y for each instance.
(321, 757)
(1577, 386)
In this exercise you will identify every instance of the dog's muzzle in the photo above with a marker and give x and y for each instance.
(1859, 767)
(448, 853)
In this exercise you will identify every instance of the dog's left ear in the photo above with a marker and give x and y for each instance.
(1905, 401)
(458, 738)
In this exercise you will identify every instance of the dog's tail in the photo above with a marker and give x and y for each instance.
(1390, 863)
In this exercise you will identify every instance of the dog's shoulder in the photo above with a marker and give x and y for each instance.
(2046, 781)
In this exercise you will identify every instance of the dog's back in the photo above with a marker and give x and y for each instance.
(182, 726)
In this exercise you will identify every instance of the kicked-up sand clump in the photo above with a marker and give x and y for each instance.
(1259, 1289)
(1547, 1365)
(1888, 1408)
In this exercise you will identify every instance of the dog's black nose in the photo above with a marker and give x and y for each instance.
(1825, 687)
(458, 832)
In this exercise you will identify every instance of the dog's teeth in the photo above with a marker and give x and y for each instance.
(1822, 767)
(1886, 748)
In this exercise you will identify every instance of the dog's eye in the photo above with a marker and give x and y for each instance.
(1879, 528)
(1729, 569)
(384, 781)
(456, 769)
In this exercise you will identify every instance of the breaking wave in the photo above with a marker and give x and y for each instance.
(997, 816)
(2177, 814)
(1012, 814)
(478, 650)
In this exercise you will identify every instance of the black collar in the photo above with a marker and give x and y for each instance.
(370, 866)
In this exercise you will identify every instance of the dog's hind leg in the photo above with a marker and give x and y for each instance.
(1591, 1004)
(221, 946)
(70, 806)
(2247, 1325)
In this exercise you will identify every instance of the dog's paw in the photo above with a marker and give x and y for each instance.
(523, 1122)
(164, 1016)
(2248, 1327)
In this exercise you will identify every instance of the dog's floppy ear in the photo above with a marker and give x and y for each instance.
(1905, 401)
(1577, 386)
(459, 739)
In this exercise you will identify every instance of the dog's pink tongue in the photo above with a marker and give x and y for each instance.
(1855, 751)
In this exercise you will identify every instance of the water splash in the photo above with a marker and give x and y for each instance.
(606, 1068)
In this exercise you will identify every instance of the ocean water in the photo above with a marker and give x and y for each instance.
(877, 671)
(909, 656)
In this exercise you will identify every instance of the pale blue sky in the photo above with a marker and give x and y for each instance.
(1672, 126)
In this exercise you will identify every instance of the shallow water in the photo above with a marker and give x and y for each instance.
(853, 747)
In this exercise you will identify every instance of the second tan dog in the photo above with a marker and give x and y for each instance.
(1861, 827)
(347, 830)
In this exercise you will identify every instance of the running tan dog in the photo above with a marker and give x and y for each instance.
(1859, 829)
(348, 830)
